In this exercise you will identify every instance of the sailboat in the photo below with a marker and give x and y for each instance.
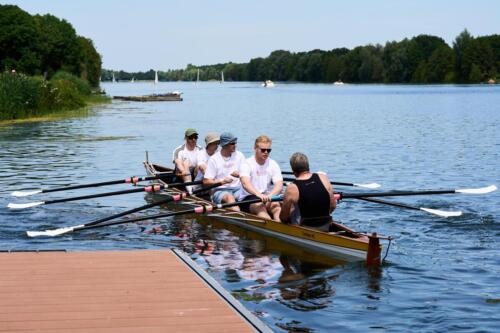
(113, 80)
(133, 80)
(156, 77)
(198, 76)
(221, 77)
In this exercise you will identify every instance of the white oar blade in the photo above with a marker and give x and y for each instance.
(24, 194)
(441, 212)
(482, 190)
(25, 205)
(371, 185)
(52, 233)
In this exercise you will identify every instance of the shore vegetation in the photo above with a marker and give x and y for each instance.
(45, 66)
(424, 59)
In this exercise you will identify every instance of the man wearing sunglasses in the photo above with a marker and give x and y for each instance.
(224, 166)
(261, 178)
(185, 156)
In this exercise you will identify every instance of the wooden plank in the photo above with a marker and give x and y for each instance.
(109, 291)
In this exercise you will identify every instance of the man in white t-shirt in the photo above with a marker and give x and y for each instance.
(185, 156)
(224, 166)
(212, 140)
(261, 178)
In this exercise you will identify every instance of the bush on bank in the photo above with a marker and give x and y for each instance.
(23, 96)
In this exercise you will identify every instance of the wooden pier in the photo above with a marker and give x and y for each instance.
(115, 291)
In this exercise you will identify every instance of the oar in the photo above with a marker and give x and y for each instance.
(370, 185)
(402, 205)
(483, 190)
(130, 180)
(152, 188)
(177, 197)
(196, 210)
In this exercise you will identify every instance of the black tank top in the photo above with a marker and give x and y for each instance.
(314, 201)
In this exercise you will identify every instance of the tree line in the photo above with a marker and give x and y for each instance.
(43, 45)
(421, 59)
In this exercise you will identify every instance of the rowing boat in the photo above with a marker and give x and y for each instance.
(340, 242)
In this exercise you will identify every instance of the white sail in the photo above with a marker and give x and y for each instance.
(156, 77)
(198, 76)
(221, 77)
(113, 78)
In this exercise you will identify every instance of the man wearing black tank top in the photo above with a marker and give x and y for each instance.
(309, 200)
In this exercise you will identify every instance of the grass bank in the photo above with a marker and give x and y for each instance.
(25, 97)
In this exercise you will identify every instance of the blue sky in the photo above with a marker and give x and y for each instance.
(155, 34)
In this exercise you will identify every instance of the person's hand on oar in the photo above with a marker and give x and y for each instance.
(152, 188)
(130, 180)
(171, 198)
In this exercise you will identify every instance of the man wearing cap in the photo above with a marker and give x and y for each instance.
(261, 178)
(309, 200)
(212, 143)
(224, 166)
(185, 156)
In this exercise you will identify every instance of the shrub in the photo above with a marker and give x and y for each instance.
(64, 95)
(82, 85)
(19, 95)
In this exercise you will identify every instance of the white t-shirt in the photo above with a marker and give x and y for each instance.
(184, 154)
(202, 158)
(218, 167)
(260, 175)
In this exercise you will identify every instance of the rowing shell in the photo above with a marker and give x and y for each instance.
(341, 242)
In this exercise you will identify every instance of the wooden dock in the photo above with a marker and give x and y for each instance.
(115, 291)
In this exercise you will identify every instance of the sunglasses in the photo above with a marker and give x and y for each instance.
(232, 143)
(193, 137)
(265, 150)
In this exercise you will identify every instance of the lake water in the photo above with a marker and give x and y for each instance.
(441, 275)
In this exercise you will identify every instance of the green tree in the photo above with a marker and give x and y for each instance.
(396, 62)
(90, 61)
(61, 49)
(475, 75)
(440, 65)
(463, 55)
(19, 41)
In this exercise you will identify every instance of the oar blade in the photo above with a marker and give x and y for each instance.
(25, 205)
(52, 233)
(441, 213)
(25, 193)
(482, 190)
(370, 185)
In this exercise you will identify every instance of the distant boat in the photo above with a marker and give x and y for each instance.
(156, 77)
(268, 84)
(133, 80)
(198, 76)
(338, 83)
(168, 97)
(221, 77)
(113, 79)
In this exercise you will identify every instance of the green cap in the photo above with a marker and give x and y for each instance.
(189, 132)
